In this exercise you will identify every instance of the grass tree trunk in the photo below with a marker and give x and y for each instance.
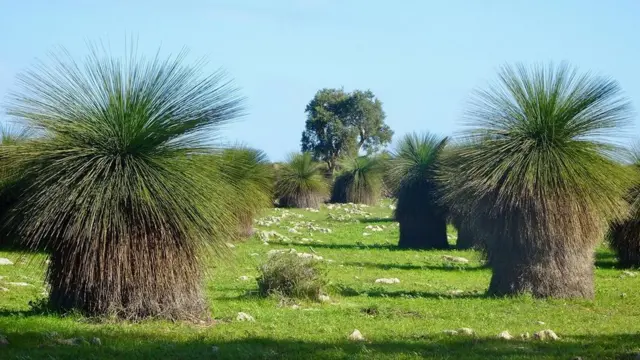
(423, 233)
(540, 253)
(465, 238)
(563, 273)
(132, 281)
(625, 241)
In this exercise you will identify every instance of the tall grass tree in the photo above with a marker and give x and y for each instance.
(117, 192)
(413, 176)
(250, 174)
(359, 181)
(624, 234)
(300, 182)
(539, 177)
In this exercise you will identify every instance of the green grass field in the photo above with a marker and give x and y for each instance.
(398, 321)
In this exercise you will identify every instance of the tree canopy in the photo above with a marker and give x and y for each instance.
(341, 124)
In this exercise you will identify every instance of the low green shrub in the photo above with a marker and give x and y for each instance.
(288, 274)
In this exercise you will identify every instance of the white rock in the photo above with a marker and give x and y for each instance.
(525, 336)
(244, 278)
(19, 284)
(255, 254)
(324, 298)
(356, 336)
(244, 317)
(546, 335)
(5, 261)
(456, 259)
(450, 332)
(388, 281)
(540, 322)
(230, 246)
(505, 335)
(455, 292)
(466, 331)
(3, 289)
(295, 306)
(630, 273)
(293, 231)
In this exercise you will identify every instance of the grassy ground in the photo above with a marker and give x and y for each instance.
(399, 321)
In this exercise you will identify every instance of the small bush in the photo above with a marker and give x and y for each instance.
(290, 275)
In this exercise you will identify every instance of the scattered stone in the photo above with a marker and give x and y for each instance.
(215, 349)
(231, 246)
(365, 234)
(3, 340)
(356, 336)
(630, 273)
(244, 278)
(295, 306)
(5, 261)
(324, 298)
(3, 289)
(546, 335)
(455, 259)
(19, 284)
(255, 254)
(450, 332)
(540, 322)
(244, 317)
(505, 335)
(623, 295)
(310, 256)
(466, 331)
(388, 281)
(96, 341)
(294, 231)
(525, 336)
(455, 292)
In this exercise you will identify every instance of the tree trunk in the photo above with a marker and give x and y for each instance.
(625, 240)
(561, 273)
(131, 281)
(425, 233)
(465, 240)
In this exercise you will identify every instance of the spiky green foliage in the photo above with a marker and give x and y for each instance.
(624, 234)
(538, 176)
(12, 180)
(252, 177)
(300, 182)
(117, 192)
(412, 175)
(359, 181)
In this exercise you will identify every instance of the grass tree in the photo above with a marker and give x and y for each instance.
(413, 176)
(300, 182)
(539, 177)
(251, 177)
(359, 181)
(624, 234)
(116, 189)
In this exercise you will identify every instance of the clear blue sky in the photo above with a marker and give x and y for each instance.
(421, 58)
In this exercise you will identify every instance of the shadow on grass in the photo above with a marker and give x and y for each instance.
(384, 293)
(607, 261)
(376, 220)
(138, 345)
(443, 267)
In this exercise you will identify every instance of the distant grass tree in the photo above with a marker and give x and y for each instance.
(359, 181)
(624, 234)
(413, 176)
(251, 175)
(117, 192)
(539, 178)
(300, 182)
